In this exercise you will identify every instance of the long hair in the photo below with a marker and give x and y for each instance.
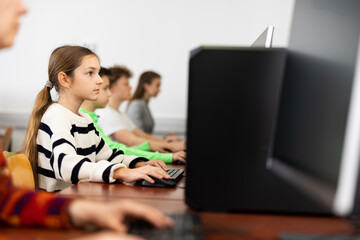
(63, 59)
(145, 78)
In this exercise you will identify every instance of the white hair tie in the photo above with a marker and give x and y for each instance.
(49, 84)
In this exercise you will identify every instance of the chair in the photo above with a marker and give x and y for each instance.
(7, 138)
(20, 170)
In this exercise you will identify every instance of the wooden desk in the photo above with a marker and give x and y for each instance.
(217, 226)
(118, 190)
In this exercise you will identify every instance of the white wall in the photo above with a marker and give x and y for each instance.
(141, 34)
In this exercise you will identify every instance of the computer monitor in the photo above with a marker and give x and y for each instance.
(265, 38)
(317, 137)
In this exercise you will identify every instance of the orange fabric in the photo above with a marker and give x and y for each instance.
(24, 207)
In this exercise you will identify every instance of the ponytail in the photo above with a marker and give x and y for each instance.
(63, 59)
(42, 102)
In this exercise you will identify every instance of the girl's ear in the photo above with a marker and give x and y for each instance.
(146, 86)
(64, 80)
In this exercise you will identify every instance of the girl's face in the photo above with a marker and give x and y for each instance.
(104, 94)
(122, 88)
(10, 12)
(153, 89)
(86, 82)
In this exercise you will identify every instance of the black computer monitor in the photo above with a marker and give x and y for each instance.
(317, 136)
(265, 39)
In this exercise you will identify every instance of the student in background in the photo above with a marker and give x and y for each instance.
(119, 126)
(138, 108)
(62, 144)
(23, 207)
(141, 150)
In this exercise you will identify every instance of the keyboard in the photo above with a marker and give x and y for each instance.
(186, 227)
(175, 173)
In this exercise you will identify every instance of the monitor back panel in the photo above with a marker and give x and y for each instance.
(232, 102)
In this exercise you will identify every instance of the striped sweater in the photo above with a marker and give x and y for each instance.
(71, 150)
(23, 207)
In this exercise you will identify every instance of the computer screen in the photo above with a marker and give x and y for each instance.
(265, 38)
(317, 136)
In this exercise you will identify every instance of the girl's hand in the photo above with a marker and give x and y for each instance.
(155, 163)
(135, 174)
(162, 147)
(177, 146)
(112, 214)
(179, 156)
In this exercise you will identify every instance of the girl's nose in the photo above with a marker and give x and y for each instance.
(100, 80)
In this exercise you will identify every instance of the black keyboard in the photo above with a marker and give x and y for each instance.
(175, 173)
(186, 227)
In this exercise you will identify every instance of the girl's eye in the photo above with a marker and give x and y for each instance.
(90, 73)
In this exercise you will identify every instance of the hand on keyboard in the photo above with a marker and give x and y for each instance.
(158, 183)
(179, 157)
(155, 163)
(141, 173)
(175, 175)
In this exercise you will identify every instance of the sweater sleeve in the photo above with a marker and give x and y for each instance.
(145, 146)
(137, 151)
(73, 164)
(23, 207)
(166, 157)
(116, 155)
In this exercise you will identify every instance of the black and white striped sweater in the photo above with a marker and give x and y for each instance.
(71, 150)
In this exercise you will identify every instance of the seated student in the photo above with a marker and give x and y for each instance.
(62, 144)
(23, 207)
(119, 126)
(89, 107)
(138, 110)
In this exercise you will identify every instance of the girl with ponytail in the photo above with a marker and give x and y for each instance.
(62, 143)
(19, 205)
